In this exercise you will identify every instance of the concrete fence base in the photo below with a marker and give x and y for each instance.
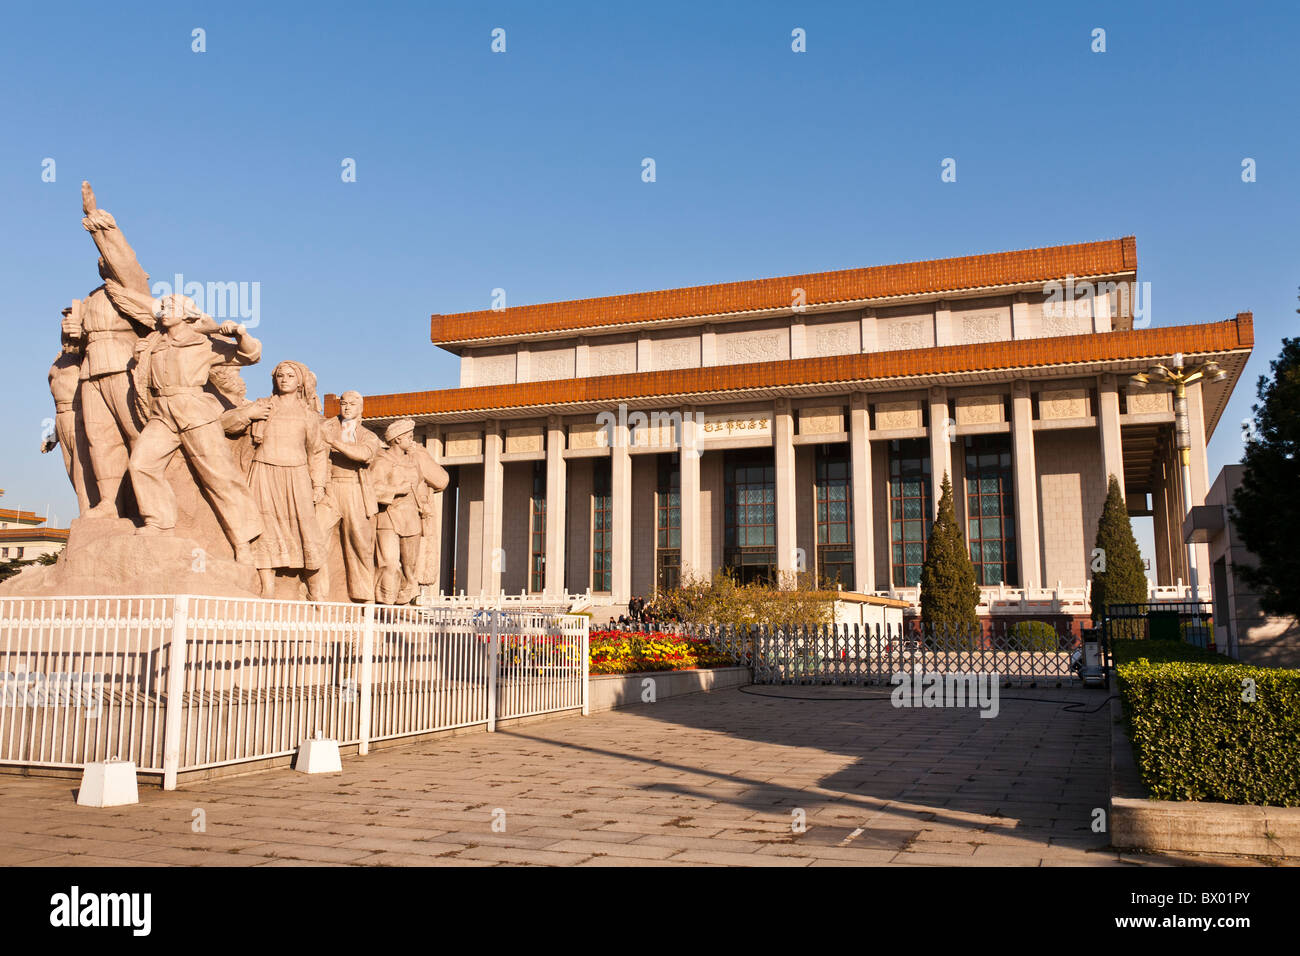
(1189, 826)
(608, 691)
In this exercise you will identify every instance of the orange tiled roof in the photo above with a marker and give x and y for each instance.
(27, 517)
(33, 534)
(1016, 354)
(1108, 257)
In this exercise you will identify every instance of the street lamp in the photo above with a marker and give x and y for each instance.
(1179, 375)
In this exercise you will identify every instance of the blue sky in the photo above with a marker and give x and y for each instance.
(522, 170)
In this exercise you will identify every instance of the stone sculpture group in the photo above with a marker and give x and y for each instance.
(184, 484)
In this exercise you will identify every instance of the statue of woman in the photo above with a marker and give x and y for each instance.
(287, 476)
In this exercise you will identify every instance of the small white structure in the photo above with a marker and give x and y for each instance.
(108, 783)
(318, 755)
(869, 611)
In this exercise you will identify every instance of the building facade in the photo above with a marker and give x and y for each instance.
(1241, 627)
(806, 423)
(24, 536)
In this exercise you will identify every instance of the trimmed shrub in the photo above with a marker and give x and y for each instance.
(717, 600)
(1196, 738)
(1034, 636)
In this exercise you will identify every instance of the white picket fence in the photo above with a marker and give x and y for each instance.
(188, 683)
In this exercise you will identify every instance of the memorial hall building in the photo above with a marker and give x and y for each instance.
(612, 445)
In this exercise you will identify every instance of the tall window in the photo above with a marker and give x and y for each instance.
(668, 525)
(602, 528)
(910, 514)
(990, 510)
(749, 546)
(537, 531)
(834, 516)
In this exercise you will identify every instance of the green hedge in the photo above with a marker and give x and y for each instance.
(1035, 636)
(1194, 737)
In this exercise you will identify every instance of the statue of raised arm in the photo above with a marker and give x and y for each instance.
(117, 258)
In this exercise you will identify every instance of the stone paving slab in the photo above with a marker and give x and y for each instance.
(718, 779)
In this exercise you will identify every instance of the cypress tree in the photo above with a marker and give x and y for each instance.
(1266, 509)
(949, 596)
(1117, 573)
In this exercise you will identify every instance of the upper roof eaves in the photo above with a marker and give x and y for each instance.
(966, 273)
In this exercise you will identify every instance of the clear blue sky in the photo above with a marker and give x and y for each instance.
(522, 170)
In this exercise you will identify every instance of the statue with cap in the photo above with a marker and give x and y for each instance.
(107, 325)
(400, 471)
(172, 366)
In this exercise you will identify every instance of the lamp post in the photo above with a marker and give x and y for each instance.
(1179, 375)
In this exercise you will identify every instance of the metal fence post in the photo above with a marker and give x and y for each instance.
(173, 719)
(366, 677)
(586, 656)
(492, 671)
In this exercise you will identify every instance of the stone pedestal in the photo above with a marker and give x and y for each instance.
(318, 756)
(108, 783)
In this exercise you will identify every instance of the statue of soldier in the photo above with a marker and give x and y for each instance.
(69, 435)
(398, 473)
(349, 496)
(110, 335)
(173, 366)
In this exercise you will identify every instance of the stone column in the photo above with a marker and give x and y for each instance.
(689, 459)
(1160, 520)
(708, 346)
(783, 452)
(867, 327)
(798, 337)
(433, 544)
(493, 557)
(1200, 477)
(620, 487)
(1108, 430)
(556, 498)
(942, 324)
(864, 551)
(1020, 316)
(1028, 553)
(941, 435)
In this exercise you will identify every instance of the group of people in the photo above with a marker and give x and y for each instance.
(138, 379)
(641, 616)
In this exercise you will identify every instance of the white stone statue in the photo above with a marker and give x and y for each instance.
(287, 477)
(108, 335)
(171, 371)
(349, 509)
(69, 433)
(398, 474)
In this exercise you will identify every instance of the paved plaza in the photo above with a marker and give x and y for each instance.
(724, 778)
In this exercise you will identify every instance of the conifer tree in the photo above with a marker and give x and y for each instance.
(1116, 563)
(949, 595)
(1266, 508)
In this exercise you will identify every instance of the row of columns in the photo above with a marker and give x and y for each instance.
(942, 434)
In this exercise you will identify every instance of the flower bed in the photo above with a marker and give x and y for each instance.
(628, 652)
